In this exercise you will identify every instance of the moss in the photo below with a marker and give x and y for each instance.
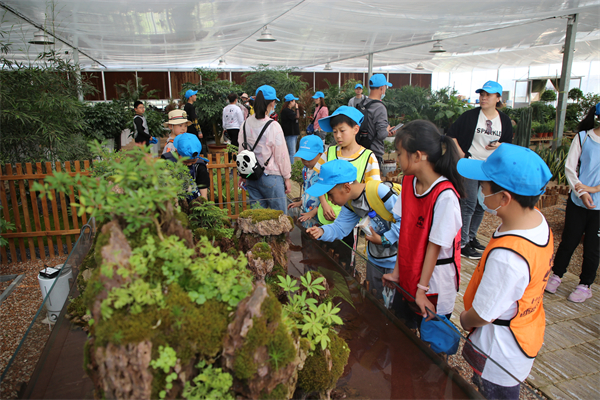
(77, 307)
(187, 327)
(87, 350)
(281, 348)
(280, 392)
(93, 288)
(101, 241)
(183, 218)
(244, 366)
(291, 220)
(315, 376)
(261, 215)
(271, 308)
(262, 250)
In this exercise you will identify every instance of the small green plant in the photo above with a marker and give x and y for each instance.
(166, 360)
(548, 96)
(4, 226)
(210, 383)
(297, 177)
(211, 220)
(316, 320)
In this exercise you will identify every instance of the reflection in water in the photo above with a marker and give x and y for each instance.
(386, 360)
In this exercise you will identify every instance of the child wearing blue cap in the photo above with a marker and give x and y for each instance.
(338, 179)
(428, 266)
(311, 148)
(345, 123)
(290, 115)
(504, 309)
(582, 217)
(193, 127)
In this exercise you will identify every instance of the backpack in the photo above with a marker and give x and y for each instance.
(364, 137)
(377, 203)
(247, 164)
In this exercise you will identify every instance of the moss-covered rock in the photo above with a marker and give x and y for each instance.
(260, 215)
(322, 369)
(183, 218)
(264, 222)
(259, 349)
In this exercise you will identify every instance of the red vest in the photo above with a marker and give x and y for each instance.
(529, 323)
(417, 217)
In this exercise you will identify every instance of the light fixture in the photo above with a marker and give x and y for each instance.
(437, 47)
(222, 62)
(327, 67)
(40, 37)
(266, 36)
(420, 66)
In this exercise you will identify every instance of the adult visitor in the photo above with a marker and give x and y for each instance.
(190, 110)
(376, 120)
(233, 117)
(478, 132)
(582, 218)
(270, 151)
(358, 89)
(290, 115)
(244, 106)
(321, 111)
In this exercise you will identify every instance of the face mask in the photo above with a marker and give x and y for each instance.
(382, 96)
(271, 112)
(481, 199)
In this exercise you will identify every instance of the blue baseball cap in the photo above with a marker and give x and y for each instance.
(358, 85)
(332, 173)
(190, 93)
(310, 147)
(514, 168)
(290, 97)
(442, 338)
(350, 112)
(491, 87)
(188, 145)
(378, 80)
(318, 95)
(268, 92)
(598, 109)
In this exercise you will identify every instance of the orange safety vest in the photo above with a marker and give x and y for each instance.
(528, 324)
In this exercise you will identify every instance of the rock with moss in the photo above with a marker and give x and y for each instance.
(264, 222)
(260, 350)
(260, 260)
(323, 368)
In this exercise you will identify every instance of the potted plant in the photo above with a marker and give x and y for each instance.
(389, 162)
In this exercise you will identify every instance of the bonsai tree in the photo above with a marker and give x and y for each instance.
(548, 96)
(210, 101)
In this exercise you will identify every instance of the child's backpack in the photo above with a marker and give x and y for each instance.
(364, 137)
(377, 203)
(247, 164)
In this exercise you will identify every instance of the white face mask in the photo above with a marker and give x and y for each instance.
(481, 198)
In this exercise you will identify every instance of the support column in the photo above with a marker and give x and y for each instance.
(370, 68)
(565, 79)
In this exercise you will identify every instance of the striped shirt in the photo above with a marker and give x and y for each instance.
(371, 173)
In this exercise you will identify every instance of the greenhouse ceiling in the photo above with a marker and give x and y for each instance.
(185, 34)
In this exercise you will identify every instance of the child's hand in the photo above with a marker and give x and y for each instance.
(328, 212)
(423, 302)
(587, 201)
(387, 279)
(294, 205)
(373, 237)
(580, 187)
(306, 216)
(315, 232)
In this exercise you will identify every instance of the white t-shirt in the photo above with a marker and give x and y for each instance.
(232, 117)
(446, 223)
(503, 283)
(481, 139)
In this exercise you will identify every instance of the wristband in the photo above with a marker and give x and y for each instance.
(425, 288)
(385, 242)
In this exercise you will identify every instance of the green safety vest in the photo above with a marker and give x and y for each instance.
(360, 163)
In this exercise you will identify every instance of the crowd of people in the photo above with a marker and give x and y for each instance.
(417, 232)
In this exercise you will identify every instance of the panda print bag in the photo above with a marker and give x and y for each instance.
(247, 164)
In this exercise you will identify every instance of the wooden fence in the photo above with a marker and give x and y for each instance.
(41, 224)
